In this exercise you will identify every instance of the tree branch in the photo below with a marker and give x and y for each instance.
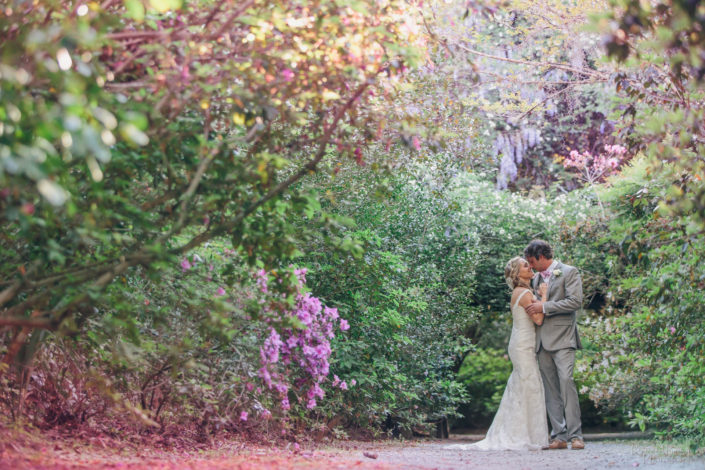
(278, 189)
(60, 314)
(206, 159)
(567, 68)
(123, 35)
(126, 85)
(27, 323)
(11, 291)
(552, 95)
(231, 18)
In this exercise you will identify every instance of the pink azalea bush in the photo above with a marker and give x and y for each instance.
(295, 352)
(306, 348)
(593, 168)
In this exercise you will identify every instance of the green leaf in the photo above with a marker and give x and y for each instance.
(162, 6)
(135, 9)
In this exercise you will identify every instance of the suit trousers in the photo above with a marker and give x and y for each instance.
(561, 395)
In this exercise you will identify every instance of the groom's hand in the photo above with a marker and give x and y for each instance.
(535, 307)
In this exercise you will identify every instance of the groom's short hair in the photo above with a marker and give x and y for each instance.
(538, 248)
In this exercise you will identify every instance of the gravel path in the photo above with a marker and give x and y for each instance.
(344, 455)
(596, 455)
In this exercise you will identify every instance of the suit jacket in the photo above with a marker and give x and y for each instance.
(565, 298)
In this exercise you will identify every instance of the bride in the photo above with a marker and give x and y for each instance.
(520, 422)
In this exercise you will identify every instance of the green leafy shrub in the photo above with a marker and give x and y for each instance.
(484, 373)
(427, 281)
(643, 356)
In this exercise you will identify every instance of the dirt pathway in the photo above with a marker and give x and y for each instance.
(597, 455)
(412, 455)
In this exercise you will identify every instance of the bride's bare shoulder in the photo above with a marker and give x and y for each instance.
(518, 291)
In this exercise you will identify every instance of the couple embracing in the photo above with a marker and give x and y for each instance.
(542, 349)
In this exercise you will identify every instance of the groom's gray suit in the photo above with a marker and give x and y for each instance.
(556, 342)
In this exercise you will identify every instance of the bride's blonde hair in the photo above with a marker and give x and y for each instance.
(511, 272)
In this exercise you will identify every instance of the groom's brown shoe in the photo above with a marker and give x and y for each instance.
(556, 444)
(577, 444)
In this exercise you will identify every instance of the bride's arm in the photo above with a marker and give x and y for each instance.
(528, 299)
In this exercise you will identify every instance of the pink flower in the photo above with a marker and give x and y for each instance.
(344, 326)
(185, 265)
(185, 72)
(249, 386)
(262, 280)
(331, 312)
(287, 75)
(673, 330)
(343, 385)
(353, 382)
(576, 160)
(322, 351)
(308, 348)
(316, 391)
(296, 447)
(265, 376)
(27, 208)
(305, 317)
(146, 301)
(358, 156)
(416, 143)
(271, 348)
(616, 149)
(266, 414)
(301, 274)
(243, 416)
(220, 292)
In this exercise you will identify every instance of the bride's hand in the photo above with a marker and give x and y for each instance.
(543, 290)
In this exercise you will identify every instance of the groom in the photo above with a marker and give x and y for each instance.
(556, 342)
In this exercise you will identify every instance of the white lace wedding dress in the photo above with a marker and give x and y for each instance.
(520, 422)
